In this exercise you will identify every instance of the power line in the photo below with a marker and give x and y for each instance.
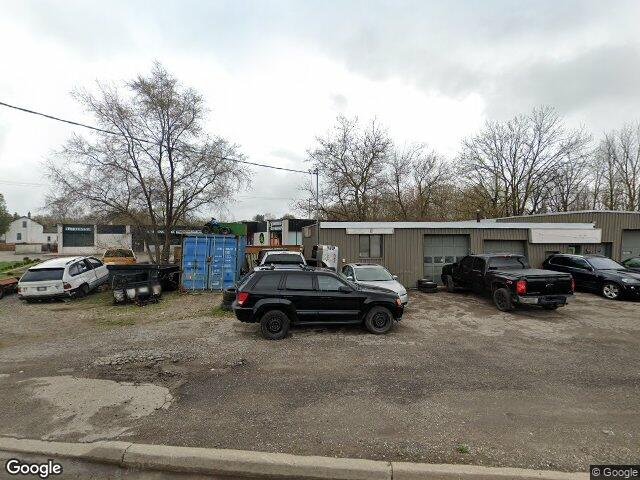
(143, 140)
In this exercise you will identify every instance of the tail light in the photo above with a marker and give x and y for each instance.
(241, 297)
(66, 286)
(573, 284)
(521, 287)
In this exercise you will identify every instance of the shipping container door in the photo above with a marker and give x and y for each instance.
(223, 251)
(195, 251)
(440, 250)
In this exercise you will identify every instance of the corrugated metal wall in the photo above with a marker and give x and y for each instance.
(611, 223)
(403, 250)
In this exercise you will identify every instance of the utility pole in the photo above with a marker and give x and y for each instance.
(317, 174)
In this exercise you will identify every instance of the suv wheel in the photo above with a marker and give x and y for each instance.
(274, 325)
(379, 320)
(611, 291)
(83, 290)
(502, 299)
(451, 287)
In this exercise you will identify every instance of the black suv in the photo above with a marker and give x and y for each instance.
(597, 274)
(280, 295)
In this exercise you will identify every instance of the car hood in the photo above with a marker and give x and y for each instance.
(620, 274)
(392, 285)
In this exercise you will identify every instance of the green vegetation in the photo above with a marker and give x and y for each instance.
(463, 448)
(218, 312)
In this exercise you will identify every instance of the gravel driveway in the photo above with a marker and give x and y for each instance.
(455, 381)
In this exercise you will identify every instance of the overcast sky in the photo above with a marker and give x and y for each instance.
(275, 74)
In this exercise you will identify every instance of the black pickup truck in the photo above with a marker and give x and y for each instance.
(509, 280)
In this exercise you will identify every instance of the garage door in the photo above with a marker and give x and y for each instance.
(442, 249)
(505, 246)
(630, 244)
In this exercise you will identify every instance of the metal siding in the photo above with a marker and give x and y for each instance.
(505, 246)
(612, 224)
(630, 244)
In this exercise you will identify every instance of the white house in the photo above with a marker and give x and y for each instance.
(27, 230)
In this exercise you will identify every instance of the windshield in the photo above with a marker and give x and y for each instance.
(602, 263)
(507, 263)
(372, 274)
(42, 274)
(284, 258)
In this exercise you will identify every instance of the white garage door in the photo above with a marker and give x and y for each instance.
(505, 246)
(630, 244)
(442, 249)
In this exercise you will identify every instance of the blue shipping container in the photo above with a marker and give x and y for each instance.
(211, 262)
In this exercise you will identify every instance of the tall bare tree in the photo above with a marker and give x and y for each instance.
(159, 169)
(508, 163)
(351, 160)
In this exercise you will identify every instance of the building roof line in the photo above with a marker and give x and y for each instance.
(573, 212)
(485, 224)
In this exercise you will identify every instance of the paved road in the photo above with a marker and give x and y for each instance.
(538, 389)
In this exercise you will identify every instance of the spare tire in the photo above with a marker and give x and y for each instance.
(427, 285)
(228, 296)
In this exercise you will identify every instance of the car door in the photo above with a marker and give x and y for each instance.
(477, 275)
(583, 273)
(100, 269)
(462, 274)
(300, 290)
(337, 302)
(88, 273)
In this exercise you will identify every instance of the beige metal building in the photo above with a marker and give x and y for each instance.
(414, 250)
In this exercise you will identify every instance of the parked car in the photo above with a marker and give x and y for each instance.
(62, 278)
(282, 295)
(8, 285)
(632, 263)
(119, 256)
(509, 280)
(597, 274)
(280, 257)
(374, 275)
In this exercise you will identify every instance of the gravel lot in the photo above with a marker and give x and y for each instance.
(531, 389)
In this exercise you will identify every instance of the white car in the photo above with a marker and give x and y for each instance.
(62, 277)
(375, 275)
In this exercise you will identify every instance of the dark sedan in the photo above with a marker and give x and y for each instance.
(632, 263)
(597, 274)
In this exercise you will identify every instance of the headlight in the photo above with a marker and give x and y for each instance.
(143, 290)
(157, 289)
(118, 295)
(131, 293)
(630, 281)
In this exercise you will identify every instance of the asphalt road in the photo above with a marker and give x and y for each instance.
(455, 381)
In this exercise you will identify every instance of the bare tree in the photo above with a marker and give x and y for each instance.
(161, 167)
(351, 161)
(508, 163)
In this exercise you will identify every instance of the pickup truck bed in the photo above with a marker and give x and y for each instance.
(509, 280)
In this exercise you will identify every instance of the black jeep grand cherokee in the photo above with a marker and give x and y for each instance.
(281, 295)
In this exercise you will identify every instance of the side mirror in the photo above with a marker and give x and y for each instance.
(350, 277)
(344, 289)
(395, 277)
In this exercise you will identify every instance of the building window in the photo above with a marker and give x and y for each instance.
(370, 246)
(48, 238)
(24, 224)
(18, 236)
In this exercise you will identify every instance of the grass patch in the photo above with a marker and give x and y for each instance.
(217, 311)
(463, 449)
(117, 321)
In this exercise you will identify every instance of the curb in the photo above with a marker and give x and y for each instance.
(263, 465)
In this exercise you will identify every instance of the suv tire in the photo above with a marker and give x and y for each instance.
(379, 320)
(502, 299)
(83, 291)
(274, 325)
